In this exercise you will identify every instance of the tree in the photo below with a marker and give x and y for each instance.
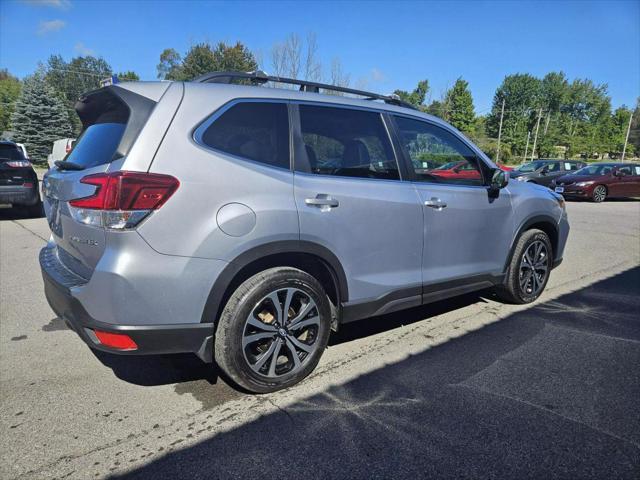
(292, 58)
(634, 133)
(170, 65)
(9, 92)
(521, 94)
(40, 117)
(459, 105)
(128, 76)
(72, 79)
(203, 58)
(417, 96)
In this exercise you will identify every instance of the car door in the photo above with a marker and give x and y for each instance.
(467, 232)
(550, 172)
(351, 200)
(625, 181)
(634, 187)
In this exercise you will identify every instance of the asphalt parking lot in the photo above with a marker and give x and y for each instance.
(462, 388)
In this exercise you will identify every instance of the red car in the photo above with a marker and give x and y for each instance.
(599, 181)
(462, 170)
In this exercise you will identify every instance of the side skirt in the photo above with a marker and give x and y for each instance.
(416, 296)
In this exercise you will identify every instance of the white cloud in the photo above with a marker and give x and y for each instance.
(378, 75)
(51, 26)
(83, 50)
(62, 4)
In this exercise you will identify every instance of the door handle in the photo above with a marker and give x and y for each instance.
(322, 200)
(435, 203)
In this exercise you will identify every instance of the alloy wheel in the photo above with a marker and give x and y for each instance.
(534, 268)
(281, 332)
(599, 193)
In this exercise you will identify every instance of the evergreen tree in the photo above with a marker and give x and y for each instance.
(40, 117)
(9, 93)
(459, 106)
(417, 97)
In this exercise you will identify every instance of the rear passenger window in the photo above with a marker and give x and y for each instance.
(345, 142)
(257, 131)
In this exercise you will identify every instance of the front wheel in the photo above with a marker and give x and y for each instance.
(599, 194)
(273, 330)
(529, 268)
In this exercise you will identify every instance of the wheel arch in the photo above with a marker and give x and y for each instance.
(310, 257)
(545, 223)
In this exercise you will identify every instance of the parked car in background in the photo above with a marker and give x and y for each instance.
(543, 172)
(460, 170)
(244, 223)
(60, 150)
(600, 181)
(18, 180)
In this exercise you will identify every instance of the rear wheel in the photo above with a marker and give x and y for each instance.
(529, 268)
(273, 330)
(599, 193)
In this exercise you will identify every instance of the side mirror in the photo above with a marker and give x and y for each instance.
(499, 179)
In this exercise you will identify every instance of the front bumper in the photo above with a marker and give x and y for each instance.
(19, 195)
(151, 339)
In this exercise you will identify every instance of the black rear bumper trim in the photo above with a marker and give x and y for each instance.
(151, 339)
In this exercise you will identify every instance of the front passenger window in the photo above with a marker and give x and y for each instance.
(438, 155)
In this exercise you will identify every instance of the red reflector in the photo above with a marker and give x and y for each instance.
(119, 341)
(27, 184)
(127, 191)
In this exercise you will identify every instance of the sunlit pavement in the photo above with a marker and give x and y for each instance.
(463, 388)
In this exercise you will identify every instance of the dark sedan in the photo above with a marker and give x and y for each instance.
(600, 181)
(543, 172)
(18, 180)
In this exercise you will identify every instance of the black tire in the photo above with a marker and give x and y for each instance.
(513, 291)
(599, 194)
(234, 358)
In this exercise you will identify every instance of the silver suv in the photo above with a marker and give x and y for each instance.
(244, 223)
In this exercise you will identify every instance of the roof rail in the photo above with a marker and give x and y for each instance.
(259, 77)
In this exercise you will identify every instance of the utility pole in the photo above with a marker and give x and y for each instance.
(526, 149)
(500, 132)
(626, 139)
(535, 138)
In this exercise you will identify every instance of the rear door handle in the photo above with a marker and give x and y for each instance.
(322, 200)
(435, 203)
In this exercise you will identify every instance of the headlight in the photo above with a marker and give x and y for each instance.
(521, 179)
(583, 184)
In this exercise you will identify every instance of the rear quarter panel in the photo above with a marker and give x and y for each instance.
(188, 224)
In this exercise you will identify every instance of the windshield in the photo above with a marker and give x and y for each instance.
(595, 170)
(10, 152)
(529, 167)
(97, 144)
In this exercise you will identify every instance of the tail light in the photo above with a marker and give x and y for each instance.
(18, 163)
(122, 199)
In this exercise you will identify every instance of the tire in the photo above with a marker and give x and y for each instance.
(599, 194)
(251, 332)
(520, 285)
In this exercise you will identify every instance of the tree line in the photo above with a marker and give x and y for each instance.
(567, 118)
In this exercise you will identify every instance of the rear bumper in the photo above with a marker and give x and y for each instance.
(19, 195)
(151, 339)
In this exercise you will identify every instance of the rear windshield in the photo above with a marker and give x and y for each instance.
(10, 152)
(98, 143)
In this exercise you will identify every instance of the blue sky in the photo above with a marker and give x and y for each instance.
(388, 45)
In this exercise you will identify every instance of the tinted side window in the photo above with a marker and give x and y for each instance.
(257, 131)
(625, 170)
(345, 142)
(437, 155)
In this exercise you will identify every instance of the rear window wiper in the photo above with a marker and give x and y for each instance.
(64, 165)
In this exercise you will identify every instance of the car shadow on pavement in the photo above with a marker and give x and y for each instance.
(548, 392)
(155, 370)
